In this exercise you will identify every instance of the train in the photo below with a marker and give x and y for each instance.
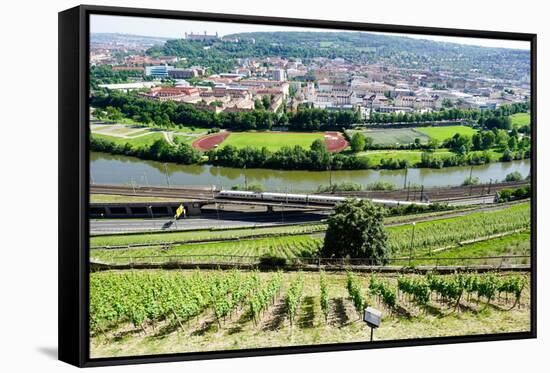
(311, 199)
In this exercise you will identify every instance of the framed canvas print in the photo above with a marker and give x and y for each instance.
(234, 186)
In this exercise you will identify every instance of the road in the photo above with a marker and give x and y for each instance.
(227, 220)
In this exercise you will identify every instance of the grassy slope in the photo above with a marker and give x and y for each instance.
(510, 245)
(199, 234)
(344, 323)
(431, 234)
(271, 140)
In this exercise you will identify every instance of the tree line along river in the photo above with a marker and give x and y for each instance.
(123, 170)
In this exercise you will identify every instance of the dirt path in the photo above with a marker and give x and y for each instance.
(168, 136)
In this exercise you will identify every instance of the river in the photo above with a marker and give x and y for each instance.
(122, 170)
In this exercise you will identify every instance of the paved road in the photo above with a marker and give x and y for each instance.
(104, 226)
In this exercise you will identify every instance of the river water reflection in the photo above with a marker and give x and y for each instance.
(122, 170)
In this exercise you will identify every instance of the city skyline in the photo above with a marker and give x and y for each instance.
(170, 28)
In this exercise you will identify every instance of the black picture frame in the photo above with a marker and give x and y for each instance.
(73, 43)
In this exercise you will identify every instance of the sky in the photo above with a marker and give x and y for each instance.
(177, 28)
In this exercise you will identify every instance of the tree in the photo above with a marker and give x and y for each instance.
(369, 141)
(357, 142)
(477, 141)
(514, 176)
(356, 230)
(487, 139)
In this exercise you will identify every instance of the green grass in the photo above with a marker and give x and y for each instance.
(520, 119)
(273, 330)
(273, 141)
(184, 138)
(156, 238)
(135, 142)
(394, 135)
(442, 133)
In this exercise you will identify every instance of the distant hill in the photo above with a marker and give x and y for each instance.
(401, 51)
(102, 38)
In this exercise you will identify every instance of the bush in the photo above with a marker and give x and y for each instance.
(418, 209)
(513, 176)
(511, 194)
(381, 185)
(258, 188)
(272, 261)
(340, 187)
(474, 180)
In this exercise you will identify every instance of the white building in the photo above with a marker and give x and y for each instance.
(158, 71)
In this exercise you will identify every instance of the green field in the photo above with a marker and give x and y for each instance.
(393, 136)
(442, 133)
(135, 142)
(273, 141)
(144, 312)
(520, 119)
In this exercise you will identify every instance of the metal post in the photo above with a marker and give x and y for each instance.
(471, 181)
(371, 334)
(412, 242)
(146, 179)
(330, 177)
(166, 173)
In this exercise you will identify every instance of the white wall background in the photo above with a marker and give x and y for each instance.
(28, 177)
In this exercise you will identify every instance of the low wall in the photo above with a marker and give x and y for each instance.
(142, 209)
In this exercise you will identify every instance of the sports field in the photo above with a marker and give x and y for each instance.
(444, 132)
(273, 141)
(394, 136)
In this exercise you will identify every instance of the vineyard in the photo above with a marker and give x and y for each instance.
(441, 233)
(429, 238)
(205, 234)
(192, 310)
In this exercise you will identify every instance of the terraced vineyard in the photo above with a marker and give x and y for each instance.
(167, 311)
(430, 237)
(214, 234)
(242, 251)
(441, 233)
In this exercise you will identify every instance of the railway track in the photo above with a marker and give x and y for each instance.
(442, 194)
